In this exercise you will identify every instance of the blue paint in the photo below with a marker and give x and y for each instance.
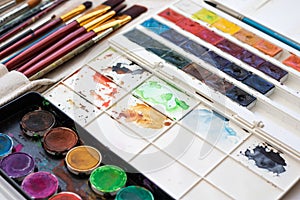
(156, 47)
(259, 84)
(211, 125)
(155, 26)
(240, 96)
(176, 59)
(235, 72)
(6, 145)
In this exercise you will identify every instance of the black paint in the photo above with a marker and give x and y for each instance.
(259, 84)
(174, 37)
(137, 36)
(266, 158)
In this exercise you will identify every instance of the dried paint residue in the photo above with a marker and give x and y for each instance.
(266, 157)
(120, 68)
(144, 116)
(159, 94)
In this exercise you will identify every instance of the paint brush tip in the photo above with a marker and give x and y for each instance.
(33, 3)
(113, 3)
(88, 4)
(134, 11)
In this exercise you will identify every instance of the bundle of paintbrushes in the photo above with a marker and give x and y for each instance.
(69, 39)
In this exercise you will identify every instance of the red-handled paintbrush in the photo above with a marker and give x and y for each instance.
(112, 24)
(59, 34)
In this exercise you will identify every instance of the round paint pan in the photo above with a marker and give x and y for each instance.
(18, 165)
(66, 196)
(108, 179)
(40, 185)
(82, 160)
(6, 145)
(134, 193)
(58, 141)
(37, 123)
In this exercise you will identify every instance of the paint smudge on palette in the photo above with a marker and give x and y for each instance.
(214, 128)
(121, 70)
(266, 157)
(164, 97)
(72, 104)
(140, 117)
(95, 87)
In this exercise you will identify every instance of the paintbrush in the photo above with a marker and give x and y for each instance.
(9, 4)
(113, 24)
(71, 54)
(18, 11)
(38, 31)
(59, 34)
(80, 31)
(27, 18)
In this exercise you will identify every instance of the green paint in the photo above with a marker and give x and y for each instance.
(108, 178)
(206, 16)
(134, 193)
(158, 94)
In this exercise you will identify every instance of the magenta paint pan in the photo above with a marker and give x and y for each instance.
(40, 185)
(18, 165)
(37, 123)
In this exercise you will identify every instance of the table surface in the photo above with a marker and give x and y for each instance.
(153, 6)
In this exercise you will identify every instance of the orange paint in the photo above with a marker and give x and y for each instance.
(267, 48)
(99, 78)
(145, 116)
(247, 37)
(293, 61)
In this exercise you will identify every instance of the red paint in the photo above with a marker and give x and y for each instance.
(190, 26)
(209, 36)
(293, 61)
(18, 148)
(171, 15)
(103, 80)
(106, 104)
(96, 96)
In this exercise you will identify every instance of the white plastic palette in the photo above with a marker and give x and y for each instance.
(276, 116)
(183, 156)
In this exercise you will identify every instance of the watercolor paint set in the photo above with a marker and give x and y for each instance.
(62, 160)
(189, 102)
(181, 141)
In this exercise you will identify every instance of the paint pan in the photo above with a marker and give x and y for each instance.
(6, 145)
(108, 179)
(18, 165)
(134, 193)
(82, 160)
(58, 141)
(37, 123)
(66, 196)
(40, 185)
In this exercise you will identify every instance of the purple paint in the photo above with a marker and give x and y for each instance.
(251, 59)
(18, 165)
(273, 71)
(40, 185)
(230, 48)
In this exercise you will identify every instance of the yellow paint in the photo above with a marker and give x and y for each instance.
(226, 26)
(206, 16)
(145, 116)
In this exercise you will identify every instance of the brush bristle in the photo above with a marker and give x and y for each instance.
(19, 1)
(135, 11)
(119, 8)
(33, 3)
(113, 3)
(88, 4)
